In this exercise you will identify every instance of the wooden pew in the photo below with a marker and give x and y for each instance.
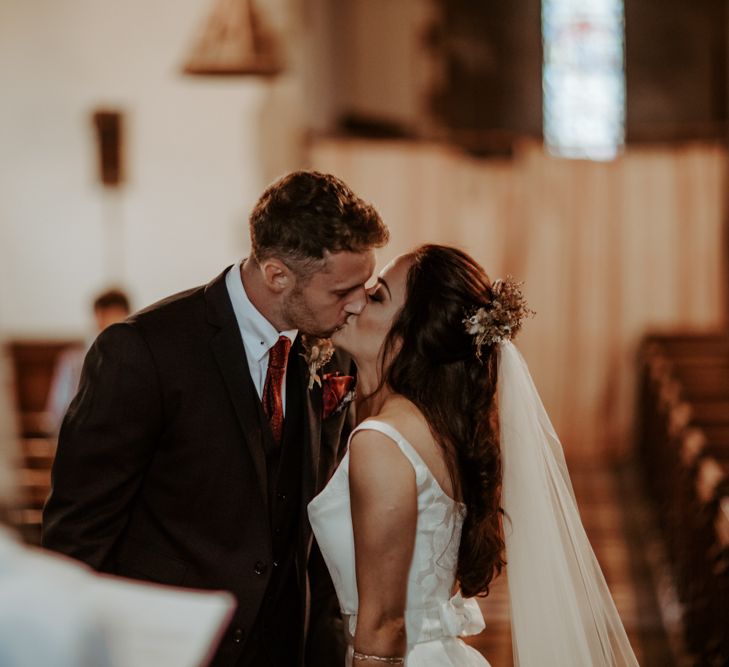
(704, 631)
(683, 443)
(720, 601)
(33, 364)
(34, 479)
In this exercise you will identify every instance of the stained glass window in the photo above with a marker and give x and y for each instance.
(583, 78)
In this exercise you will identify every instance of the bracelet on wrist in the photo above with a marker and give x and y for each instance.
(387, 660)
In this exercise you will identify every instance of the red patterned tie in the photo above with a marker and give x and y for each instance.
(272, 400)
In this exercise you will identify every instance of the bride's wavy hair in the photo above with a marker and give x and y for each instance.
(432, 362)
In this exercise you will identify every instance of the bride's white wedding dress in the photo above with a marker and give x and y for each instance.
(562, 614)
(434, 618)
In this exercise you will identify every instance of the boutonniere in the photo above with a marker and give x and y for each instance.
(337, 392)
(317, 354)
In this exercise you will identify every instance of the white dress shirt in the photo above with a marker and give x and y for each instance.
(258, 334)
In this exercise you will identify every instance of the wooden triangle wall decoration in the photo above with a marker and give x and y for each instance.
(234, 41)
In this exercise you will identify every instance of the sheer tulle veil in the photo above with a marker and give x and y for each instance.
(562, 614)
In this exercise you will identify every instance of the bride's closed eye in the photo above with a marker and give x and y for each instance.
(375, 295)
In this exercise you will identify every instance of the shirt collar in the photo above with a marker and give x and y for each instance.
(258, 333)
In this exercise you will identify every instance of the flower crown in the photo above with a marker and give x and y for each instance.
(501, 318)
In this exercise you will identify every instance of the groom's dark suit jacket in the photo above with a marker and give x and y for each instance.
(166, 471)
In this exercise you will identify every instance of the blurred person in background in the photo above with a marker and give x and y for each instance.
(110, 307)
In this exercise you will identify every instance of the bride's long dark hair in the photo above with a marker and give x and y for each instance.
(434, 365)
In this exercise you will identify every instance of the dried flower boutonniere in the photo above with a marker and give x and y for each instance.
(317, 354)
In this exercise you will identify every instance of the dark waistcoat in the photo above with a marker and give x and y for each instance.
(279, 616)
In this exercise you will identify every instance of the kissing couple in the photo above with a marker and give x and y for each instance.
(214, 444)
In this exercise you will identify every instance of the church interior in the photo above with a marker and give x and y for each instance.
(580, 147)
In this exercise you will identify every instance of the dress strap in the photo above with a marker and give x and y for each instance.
(391, 432)
(423, 472)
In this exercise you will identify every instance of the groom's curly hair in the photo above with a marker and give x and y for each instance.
(306, 214)
(434, 365)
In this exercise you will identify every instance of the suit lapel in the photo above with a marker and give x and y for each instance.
(312, 441)
(227, 347)
(311, 454)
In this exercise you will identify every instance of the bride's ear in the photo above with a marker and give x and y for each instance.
(276, 275)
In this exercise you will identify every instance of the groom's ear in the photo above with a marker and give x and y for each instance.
(277, 276)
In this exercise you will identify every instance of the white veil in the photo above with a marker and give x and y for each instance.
(562, 614)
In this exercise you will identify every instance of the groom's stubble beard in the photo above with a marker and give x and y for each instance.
(299, 315)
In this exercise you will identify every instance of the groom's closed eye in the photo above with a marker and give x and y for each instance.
(341, 293)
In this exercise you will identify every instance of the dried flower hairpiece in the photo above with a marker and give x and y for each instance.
(500, 319)
(317, 354)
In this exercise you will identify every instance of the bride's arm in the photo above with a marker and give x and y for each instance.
(384, 517)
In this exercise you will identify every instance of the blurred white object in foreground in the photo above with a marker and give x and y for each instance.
(57, 612)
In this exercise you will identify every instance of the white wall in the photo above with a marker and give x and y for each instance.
(193, 157)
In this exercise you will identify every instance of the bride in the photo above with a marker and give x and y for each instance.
(453, 473)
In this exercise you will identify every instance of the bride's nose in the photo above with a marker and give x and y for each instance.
(356, 303)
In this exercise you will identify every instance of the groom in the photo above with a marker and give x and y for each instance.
(194, 443)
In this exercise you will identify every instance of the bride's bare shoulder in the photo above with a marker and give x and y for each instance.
(408, 420)
(377, 450)
(412, 425)
(378, 467)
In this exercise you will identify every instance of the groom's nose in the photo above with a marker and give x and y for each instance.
(355, 304)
